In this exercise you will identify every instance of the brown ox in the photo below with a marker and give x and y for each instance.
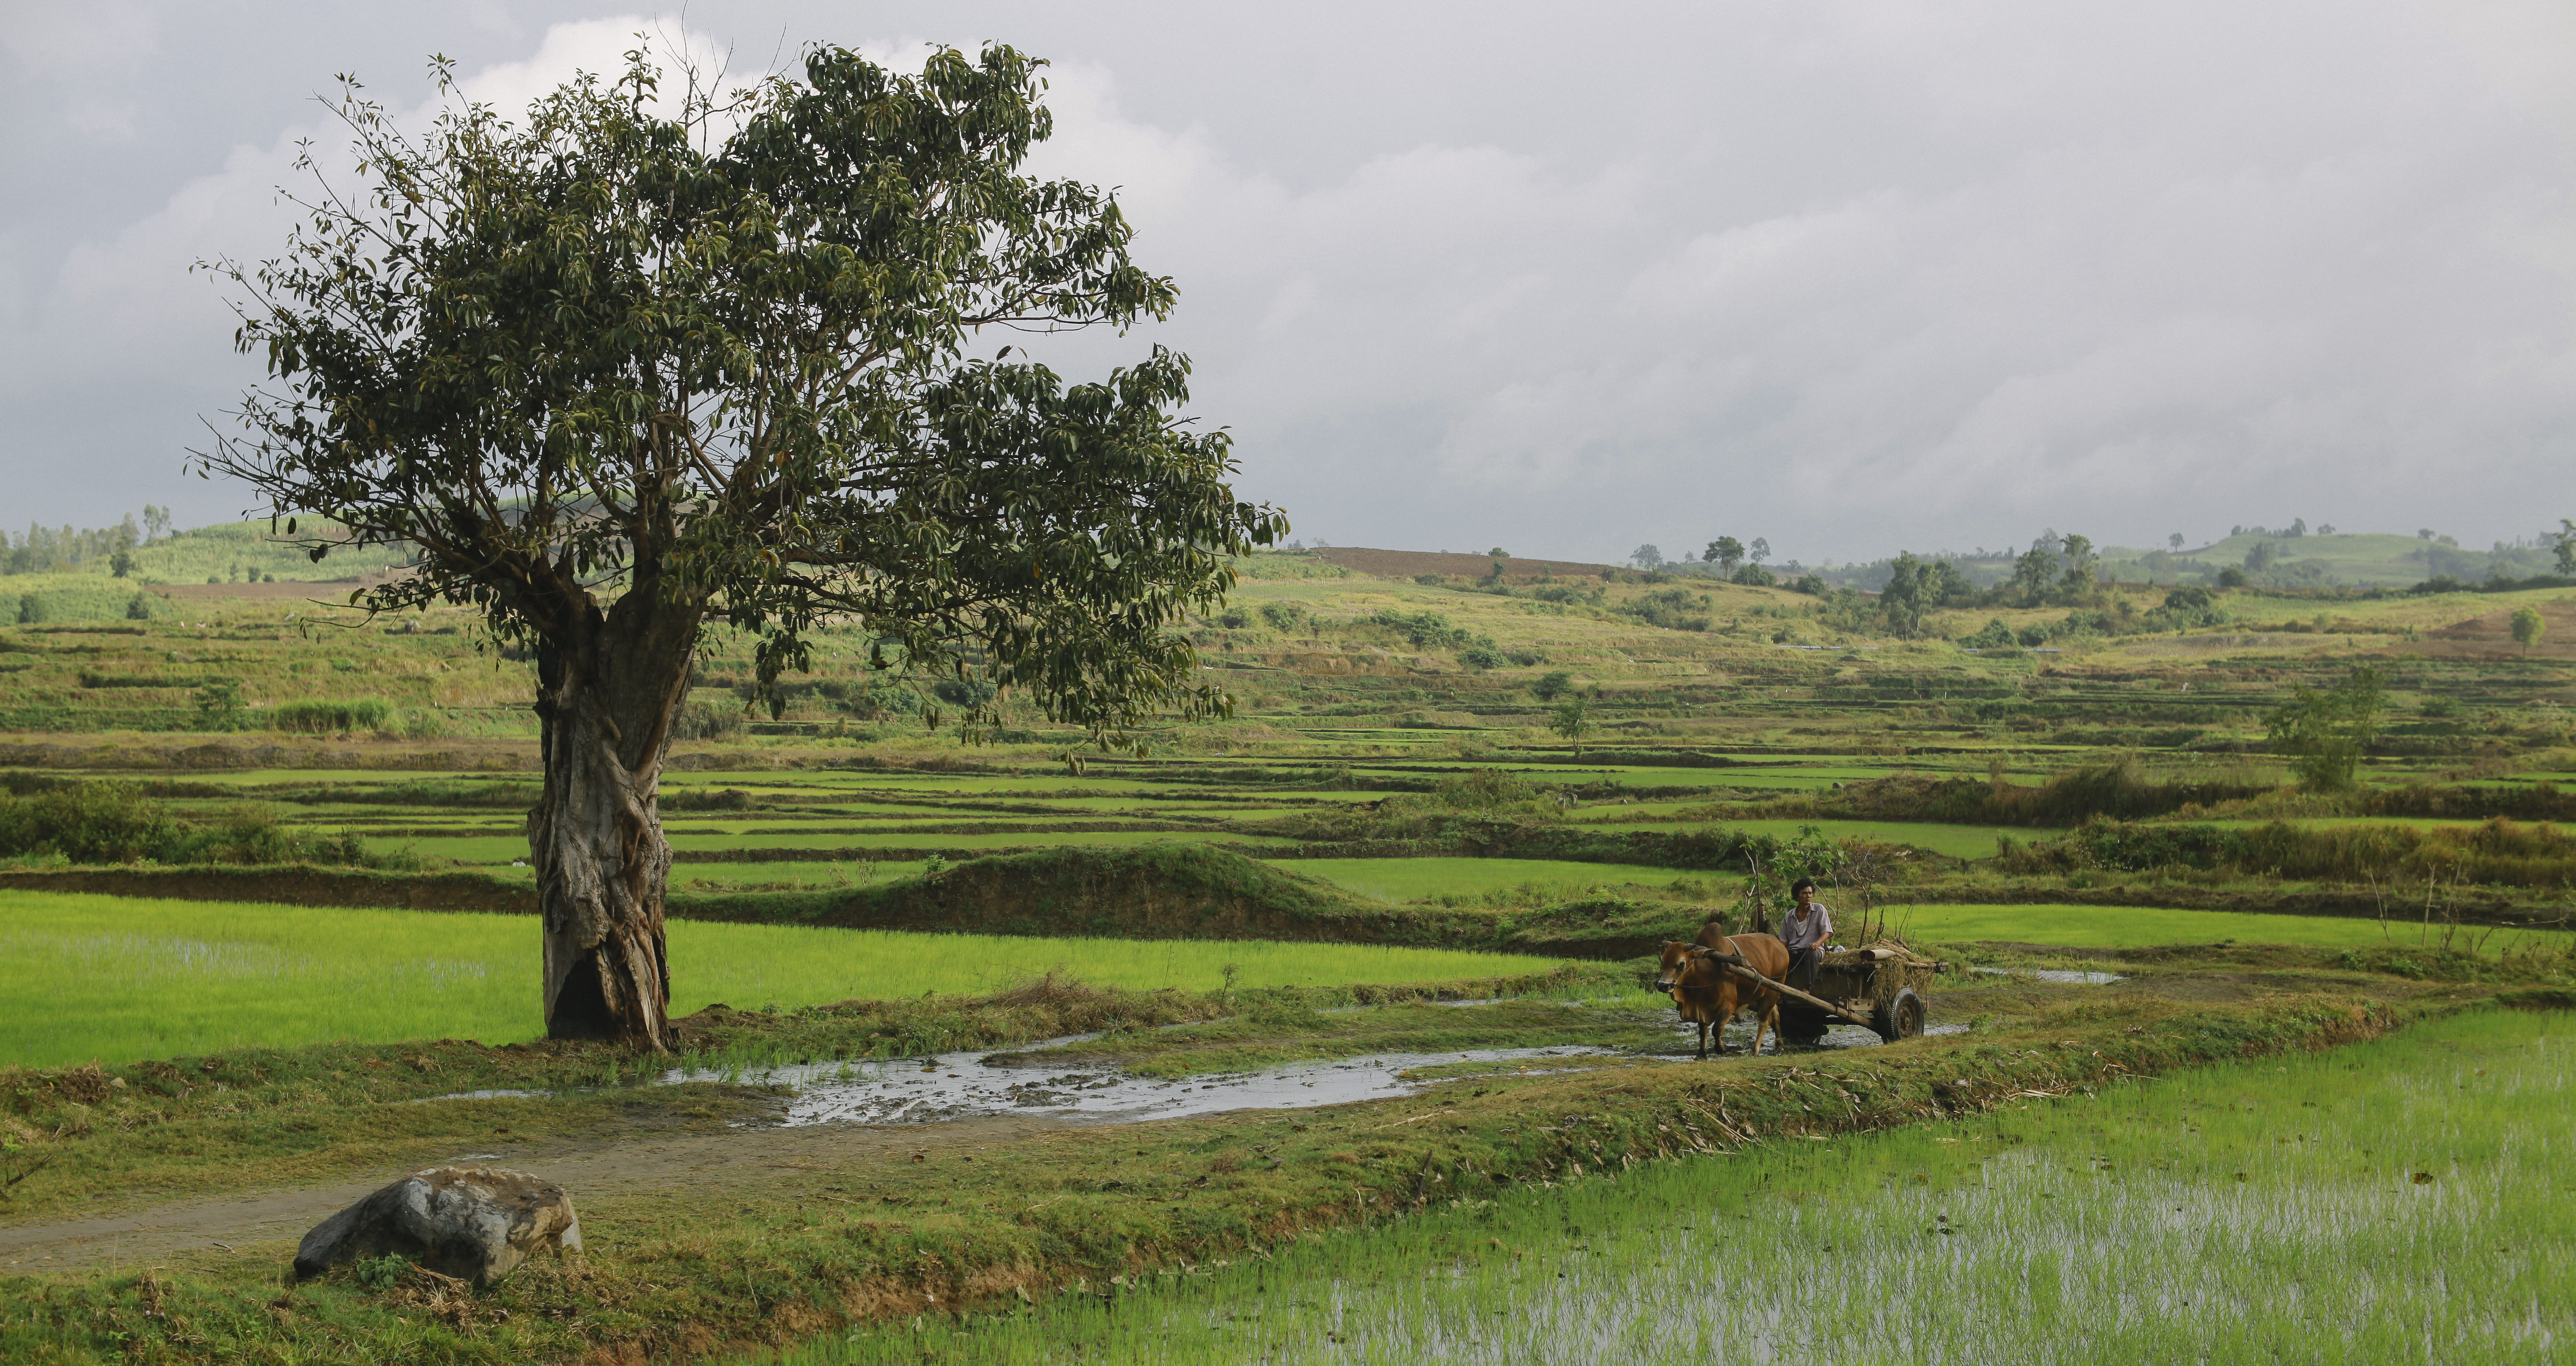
(1708, 994)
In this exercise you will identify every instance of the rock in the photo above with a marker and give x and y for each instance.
(467, 1222)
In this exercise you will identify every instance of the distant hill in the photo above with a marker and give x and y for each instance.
(2343, 559)
(1404, 564)
(226, 552)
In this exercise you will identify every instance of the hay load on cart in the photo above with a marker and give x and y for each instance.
(1880, 984)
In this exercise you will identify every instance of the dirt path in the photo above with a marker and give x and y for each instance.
(593, 1172)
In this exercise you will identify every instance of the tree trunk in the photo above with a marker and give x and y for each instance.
(606, 692)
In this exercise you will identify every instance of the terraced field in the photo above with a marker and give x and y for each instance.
(317, 947)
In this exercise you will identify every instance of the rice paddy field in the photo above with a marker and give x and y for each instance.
(2401, 1200)
(93, 977)
(1378, 771)
(2129, 927)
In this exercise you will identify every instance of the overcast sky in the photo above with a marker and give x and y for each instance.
(1560, 279)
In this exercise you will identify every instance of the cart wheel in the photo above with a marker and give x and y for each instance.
(1901, 1018)
(1804, 1026)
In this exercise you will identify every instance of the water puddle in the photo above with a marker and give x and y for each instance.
(2059, 975)
(963, 1085)
(954, 1086)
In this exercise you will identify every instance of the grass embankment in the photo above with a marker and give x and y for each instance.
(112, 978)
(90, 1138)
(2383, 1202)
(1413, 879)
(782, 1251)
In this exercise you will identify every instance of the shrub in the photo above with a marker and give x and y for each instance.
(1482, 657)
(84, 822)
(1423, 630)
(964, 692)
(1555, 684)
(1671, 609)
(219, 704)
(1995, 636)
(1283, 616)
(704, 721)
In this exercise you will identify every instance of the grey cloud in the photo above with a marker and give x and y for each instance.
(1849, 276)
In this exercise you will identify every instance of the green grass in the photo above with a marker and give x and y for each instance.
(2402, 1200)
(856, 873)
(1413, 879)
(117, 978)
(511, 848)
(1958, 841)
(2121, 927)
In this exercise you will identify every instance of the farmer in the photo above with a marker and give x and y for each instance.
(1805, 930)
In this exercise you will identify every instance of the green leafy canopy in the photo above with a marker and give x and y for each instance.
(712, 365)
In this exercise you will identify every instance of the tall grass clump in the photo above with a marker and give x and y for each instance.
(2388, 1201)
(2498, 852)
(313, 717)
(2119, 789)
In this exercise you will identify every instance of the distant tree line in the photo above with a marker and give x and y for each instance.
(67, 549)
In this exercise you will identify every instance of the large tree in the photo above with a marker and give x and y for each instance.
(637, 364)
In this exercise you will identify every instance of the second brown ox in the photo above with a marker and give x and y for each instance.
(1708, 994)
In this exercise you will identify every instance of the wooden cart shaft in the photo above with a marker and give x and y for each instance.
(1735, 963)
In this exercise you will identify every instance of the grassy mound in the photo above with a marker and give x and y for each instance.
(1152, 891)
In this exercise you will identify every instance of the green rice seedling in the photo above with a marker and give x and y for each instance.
(97, 977)
(2400, 1200)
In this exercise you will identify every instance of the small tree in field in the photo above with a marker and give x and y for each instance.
(620, 374)
(2527, 627)
(1726, 553)
(2323, 734)
(1573, 721)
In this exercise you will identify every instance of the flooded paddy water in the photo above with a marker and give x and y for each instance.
(975, 1083)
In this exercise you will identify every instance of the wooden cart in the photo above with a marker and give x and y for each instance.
(1879, 987)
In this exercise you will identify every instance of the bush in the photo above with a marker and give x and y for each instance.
(880, 698)
(1482, 657)
(1234, 619)
(107, 822)
(1283, 616)
(1554, 685)
(328, 718)
(1995, 636)
(84, 822)
(1671, 609)
(1423, 630)
(964, 692)
(704, 721)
